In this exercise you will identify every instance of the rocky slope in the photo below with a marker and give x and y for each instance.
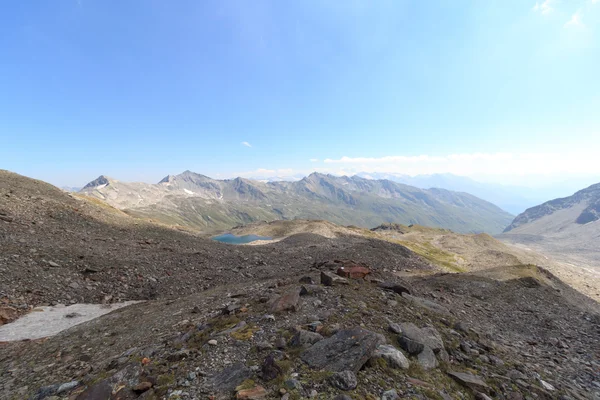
(567, 228)
(194, 200)
(288, 320)
(450, 251)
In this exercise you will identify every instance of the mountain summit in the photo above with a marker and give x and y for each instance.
(198, 201)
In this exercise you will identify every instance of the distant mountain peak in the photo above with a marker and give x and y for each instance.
(99, 181)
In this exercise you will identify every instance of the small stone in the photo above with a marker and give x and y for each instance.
(330, 279)
(65, 387)
(53, 264)
(289, 301)
(395, 328)
(547, 386)
(516, 375)
(270, 370)
(394, 287)
(482, 396)
(292, 384)
(280, 343)
(345, 380)
(390, 395)
(262, 346)
(257, 392)
(392, 356)
(142, 387)
(212, 342)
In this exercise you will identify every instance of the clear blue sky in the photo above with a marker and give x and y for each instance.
(141, 89)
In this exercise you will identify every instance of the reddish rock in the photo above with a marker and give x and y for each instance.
(7, 314)
(353, 271)
(256, 393)
(142, 387)
(289, 301)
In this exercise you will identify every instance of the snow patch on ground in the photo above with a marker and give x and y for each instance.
(188, 191)
(48, 321)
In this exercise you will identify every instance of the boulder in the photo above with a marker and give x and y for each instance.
(347, 350)
(231, 377)
(427, 359)
(353, 271)
(427, 336)
(412, 347)
(289, 301)
(469, 380)
(344, 380)
(392, 356)
(394, 287)
(330, 279)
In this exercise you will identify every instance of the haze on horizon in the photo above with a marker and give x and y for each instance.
(499, 91)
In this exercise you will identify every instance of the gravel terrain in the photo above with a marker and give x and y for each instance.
(288, 320)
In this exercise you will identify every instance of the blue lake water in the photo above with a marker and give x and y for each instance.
(233, 239)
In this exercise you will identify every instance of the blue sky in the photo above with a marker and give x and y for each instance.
(503, 90)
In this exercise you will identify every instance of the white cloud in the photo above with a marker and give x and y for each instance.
(575, 21)
(595, 1)
(484, 166)
(544, 7)
(246, 144)
(314, 160)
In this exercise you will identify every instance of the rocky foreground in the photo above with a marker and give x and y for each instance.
(281, 321)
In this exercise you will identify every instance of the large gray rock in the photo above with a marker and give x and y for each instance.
(428, 336)
(345, 380)
(347, 350)
(330, 279)
(231, 377)
(427, 359)
(471, 381)
(392, 356)
(411, 346)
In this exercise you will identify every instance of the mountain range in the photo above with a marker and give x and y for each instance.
(512, 198)
(197, 201)
(568, 228)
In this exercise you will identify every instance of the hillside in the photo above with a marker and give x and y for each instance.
(450, 251)
(568, 228)
(276, 321)
(197, 201)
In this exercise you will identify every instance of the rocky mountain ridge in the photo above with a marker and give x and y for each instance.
(566, 228)
(194, 200)
(590, 197)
